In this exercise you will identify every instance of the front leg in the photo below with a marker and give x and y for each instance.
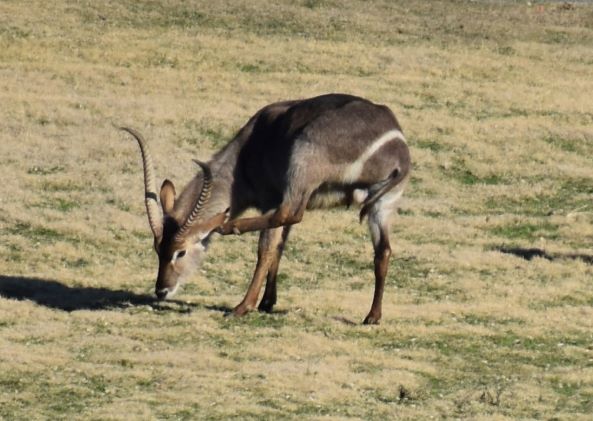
(269, 299)
(269, 242)
(239, 226)
(284, 215)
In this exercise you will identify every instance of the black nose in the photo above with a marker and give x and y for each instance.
(161, 294)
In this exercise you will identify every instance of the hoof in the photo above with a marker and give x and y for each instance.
(240, 310)
(224, 229)
(266, 306)
(371, 320)
(228, 228)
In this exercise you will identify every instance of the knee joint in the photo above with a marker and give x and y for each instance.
(383, 253)
(284, 217)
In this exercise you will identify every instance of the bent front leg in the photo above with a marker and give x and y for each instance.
(286, 214)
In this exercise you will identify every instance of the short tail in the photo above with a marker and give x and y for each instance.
(381, 188)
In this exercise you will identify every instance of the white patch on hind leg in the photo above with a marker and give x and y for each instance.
(382, 211)
(360, 195)
(389, 200)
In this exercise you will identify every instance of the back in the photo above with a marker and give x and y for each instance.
(319, 138)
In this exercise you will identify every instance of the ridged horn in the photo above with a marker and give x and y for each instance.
(155, 219)
(199, 204)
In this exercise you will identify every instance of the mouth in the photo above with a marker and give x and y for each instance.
(165, 293)
(161, 294)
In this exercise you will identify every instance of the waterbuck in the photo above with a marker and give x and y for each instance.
(329, 150)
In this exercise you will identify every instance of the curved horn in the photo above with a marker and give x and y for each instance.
(199, 204)
(155, 218)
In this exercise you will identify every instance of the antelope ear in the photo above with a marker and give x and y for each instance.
(167, 196)
(203, 230)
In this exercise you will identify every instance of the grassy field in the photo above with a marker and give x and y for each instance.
(488, 312)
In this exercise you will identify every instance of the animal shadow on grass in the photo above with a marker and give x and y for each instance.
(227, 311)
(53, 294)
(530, 253)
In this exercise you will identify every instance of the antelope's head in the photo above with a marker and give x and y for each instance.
(180, 232)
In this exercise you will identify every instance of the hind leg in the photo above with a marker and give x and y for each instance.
(379, 217)
(379, 233)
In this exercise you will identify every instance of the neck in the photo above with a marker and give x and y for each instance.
(222, 166)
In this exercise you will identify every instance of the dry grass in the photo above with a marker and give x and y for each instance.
(495, 98)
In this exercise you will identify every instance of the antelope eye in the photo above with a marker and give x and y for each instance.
(177, 255)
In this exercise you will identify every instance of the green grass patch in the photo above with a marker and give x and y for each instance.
(65, 205)
(38, 233)
(483, 320)
(430, 144)
(526, 230)
(38, 170)
(582, 146)
(52, 186)
(76, 263)
(254, 319)
(62, 205)
(459, 172)
(13, 33)
(162, 60)
(571, 195)
(406, 271)
(121, 205)
(198, 133)
(580, 298)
